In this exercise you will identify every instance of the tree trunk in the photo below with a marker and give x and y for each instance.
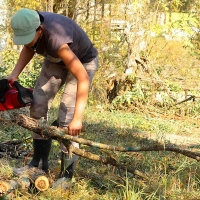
(49, 6)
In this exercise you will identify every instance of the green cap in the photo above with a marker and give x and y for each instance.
(24, 24)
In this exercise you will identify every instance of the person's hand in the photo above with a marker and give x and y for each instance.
(74, 127)
(11, 79)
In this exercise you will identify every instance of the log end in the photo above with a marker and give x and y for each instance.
(4, 187)
(42, 183)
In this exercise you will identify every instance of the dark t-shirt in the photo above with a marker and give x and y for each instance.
(59, 30)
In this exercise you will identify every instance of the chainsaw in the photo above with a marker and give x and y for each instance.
(13, 95)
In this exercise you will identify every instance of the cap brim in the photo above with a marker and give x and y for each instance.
(25, 39)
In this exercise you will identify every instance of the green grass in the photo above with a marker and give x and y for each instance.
(172, 176)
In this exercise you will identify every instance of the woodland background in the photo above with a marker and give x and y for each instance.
(148, 81)
(148, 50)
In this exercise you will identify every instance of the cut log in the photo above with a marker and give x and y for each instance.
(33, 173)
(42, 183)
(23, 183)
(34, 177)
(4, 187)
(7, 186)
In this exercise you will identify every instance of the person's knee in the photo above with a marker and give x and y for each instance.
(35, 115)
(37, 112)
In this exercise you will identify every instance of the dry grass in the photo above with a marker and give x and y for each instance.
(172, 176)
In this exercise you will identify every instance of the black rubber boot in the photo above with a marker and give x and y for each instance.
(36, 154)
(68, 165)
(41, 149)
(67, 170)
(45, 154)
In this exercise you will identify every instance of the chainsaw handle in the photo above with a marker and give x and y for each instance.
(25, 96)
(11, 83)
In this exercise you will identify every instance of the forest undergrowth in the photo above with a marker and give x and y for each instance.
(170, 175)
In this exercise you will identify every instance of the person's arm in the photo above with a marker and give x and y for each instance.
(25, 56)
(78, 70)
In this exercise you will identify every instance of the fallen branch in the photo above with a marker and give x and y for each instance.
(61, 135)
(192, 97)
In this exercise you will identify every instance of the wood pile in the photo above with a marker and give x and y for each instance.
(32, 179)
